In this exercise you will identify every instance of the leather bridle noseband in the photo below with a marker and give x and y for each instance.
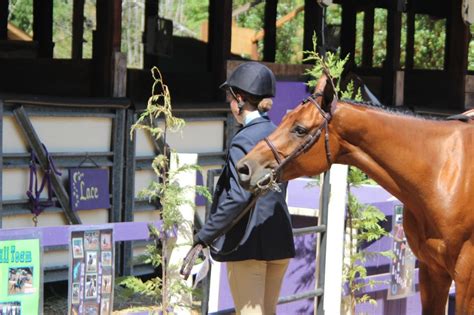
(270, 179)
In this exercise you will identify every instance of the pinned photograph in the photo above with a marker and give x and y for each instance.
(105, 307)
(106, 241)
(77, 271)
(91, 309)
(77, 248)
(91, 286)
(76, 293)
(10, 308)
(20, 280)
(106, 259)
(106, 284)
(91, 240)
(91, 261)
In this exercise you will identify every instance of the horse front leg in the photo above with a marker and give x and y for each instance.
(434, 289)
(464, 279)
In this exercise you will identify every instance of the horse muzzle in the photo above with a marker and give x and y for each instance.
(253, 178)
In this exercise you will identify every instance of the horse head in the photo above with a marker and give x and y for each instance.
(301, 145)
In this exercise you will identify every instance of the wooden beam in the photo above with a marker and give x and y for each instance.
(119, 66)
(220, 32)
(368, 38)
(77, 28)
(4, 24)
(313, 23)
(36, 145)
(43, 27)
(118, 142)
(151, 12)
(348, 32)
(269, 39)
(129, 190)
(410, 48)
(394, 28)
(107, 39)
(391, 81)
(457, 45)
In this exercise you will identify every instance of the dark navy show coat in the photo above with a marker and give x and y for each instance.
(268, 232)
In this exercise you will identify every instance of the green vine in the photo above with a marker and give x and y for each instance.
(168, 192)
(363, 225)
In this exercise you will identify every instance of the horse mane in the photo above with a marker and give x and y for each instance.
(397, 110)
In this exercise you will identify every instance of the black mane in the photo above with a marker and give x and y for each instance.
(397, 110)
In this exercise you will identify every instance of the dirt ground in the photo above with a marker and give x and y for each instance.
(56, 301)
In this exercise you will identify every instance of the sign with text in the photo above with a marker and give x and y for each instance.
(89, 188)
(20, 276)
(402, 266)
(91, 272)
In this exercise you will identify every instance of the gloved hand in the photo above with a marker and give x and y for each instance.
(188, 261)
(191, 256)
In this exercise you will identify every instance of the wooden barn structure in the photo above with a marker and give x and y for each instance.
(35, 88)
(194, 70)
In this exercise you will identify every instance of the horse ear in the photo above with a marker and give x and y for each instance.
(326, 88)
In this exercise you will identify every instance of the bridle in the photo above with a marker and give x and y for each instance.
(270, 180)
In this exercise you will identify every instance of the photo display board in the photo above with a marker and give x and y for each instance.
(402, 266)
(20, 276)
(91, 272)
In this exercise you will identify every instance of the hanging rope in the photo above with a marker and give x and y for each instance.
(34, 192)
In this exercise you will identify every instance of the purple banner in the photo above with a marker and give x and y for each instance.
(89, 188)
(288, 96)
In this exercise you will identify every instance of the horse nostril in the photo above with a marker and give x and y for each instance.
(244, 171)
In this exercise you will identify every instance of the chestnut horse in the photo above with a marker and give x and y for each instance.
(427, 164)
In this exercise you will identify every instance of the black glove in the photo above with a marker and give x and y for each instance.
(188, 261)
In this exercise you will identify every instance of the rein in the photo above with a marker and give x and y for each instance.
(309, 141)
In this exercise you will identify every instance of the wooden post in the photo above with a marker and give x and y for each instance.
(77, 28)
(128, 190)
(107, 39)
(392, 60)
(368, 49)
(410, 48)
(313, 22)
(348, 32)
(331, 273)
(4, 24)
(220, 28)
(457, 44)
(269, 38)
(182, 300)
(119, 88)
(43, 27)
(151, 11)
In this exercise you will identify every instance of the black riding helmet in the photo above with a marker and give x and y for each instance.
(252, 77)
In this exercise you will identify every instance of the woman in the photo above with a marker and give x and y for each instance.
(257, 249)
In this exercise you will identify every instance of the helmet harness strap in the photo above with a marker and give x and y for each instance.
(240, 103)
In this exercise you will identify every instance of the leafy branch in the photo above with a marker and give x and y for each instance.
(168, 192)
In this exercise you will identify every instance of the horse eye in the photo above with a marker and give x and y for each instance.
(300, 131)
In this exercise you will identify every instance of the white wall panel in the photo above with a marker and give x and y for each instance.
(61, 134)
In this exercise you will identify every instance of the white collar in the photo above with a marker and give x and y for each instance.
(251, 116)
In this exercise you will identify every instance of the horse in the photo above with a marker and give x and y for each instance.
(425, 163)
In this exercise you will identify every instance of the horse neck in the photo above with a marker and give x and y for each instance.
(390, 148)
